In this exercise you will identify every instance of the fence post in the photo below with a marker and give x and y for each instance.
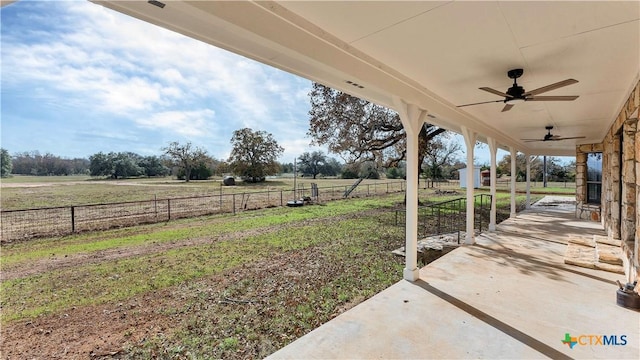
(387, 188)
(155, 204)
(479, 212)
(73, 219)
(281, 203)
(168, 209)
(234, 204)
(368, 190)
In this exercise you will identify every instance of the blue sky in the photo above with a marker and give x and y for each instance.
(78, 79)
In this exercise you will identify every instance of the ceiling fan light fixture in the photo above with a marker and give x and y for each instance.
(514, 101)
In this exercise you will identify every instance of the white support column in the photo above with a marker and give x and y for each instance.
(412, 119)
(493, 149)
(513, 182)
(470, 142)
(528, 160)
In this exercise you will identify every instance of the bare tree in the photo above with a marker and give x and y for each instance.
(184, 156)
(439, 153)
(504, 167)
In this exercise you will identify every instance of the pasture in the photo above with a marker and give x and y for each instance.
(25, 192)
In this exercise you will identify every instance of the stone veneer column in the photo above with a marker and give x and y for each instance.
(581, 185)
(614, 229)
(630, 226)
(607, 194)
(635, 260)
(628, 198)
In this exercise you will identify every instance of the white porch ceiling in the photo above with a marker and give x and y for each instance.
(437, 54)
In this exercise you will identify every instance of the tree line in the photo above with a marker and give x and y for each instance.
(34, 163)
(253, 157)
(556, 170)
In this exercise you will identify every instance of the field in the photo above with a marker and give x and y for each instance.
(25, 192)
(222, 286)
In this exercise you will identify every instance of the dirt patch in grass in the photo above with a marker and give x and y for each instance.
(247, 312)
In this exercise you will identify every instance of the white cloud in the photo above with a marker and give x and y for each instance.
(294, 147)
(186, 123)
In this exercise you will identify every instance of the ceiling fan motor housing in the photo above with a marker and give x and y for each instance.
(516, 91)
(548, 136)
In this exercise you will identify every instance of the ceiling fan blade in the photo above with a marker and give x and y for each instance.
(553, 86)
(532, 140)
(568, 138)
(507, 107)
(479, 103)
(496, 92)
(553, 98)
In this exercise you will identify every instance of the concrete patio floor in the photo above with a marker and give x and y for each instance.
(509, 296)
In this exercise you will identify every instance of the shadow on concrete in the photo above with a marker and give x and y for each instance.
(529, 264)
(495, 323)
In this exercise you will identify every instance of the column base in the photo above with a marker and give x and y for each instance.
(469, 239)
(411, 275)
(492, 227)
(512, 215)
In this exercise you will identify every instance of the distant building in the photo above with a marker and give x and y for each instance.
(476, 177)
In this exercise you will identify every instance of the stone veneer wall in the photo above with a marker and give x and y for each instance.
(619, 210)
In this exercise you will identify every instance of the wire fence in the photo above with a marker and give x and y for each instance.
(57, 221)
(450, 216)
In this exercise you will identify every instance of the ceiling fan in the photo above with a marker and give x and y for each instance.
(516, 94)
(549, 137)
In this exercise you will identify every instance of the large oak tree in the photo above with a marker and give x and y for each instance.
(359, 130)
(254, 154)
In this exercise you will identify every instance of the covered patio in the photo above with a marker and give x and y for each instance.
(508, 296)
